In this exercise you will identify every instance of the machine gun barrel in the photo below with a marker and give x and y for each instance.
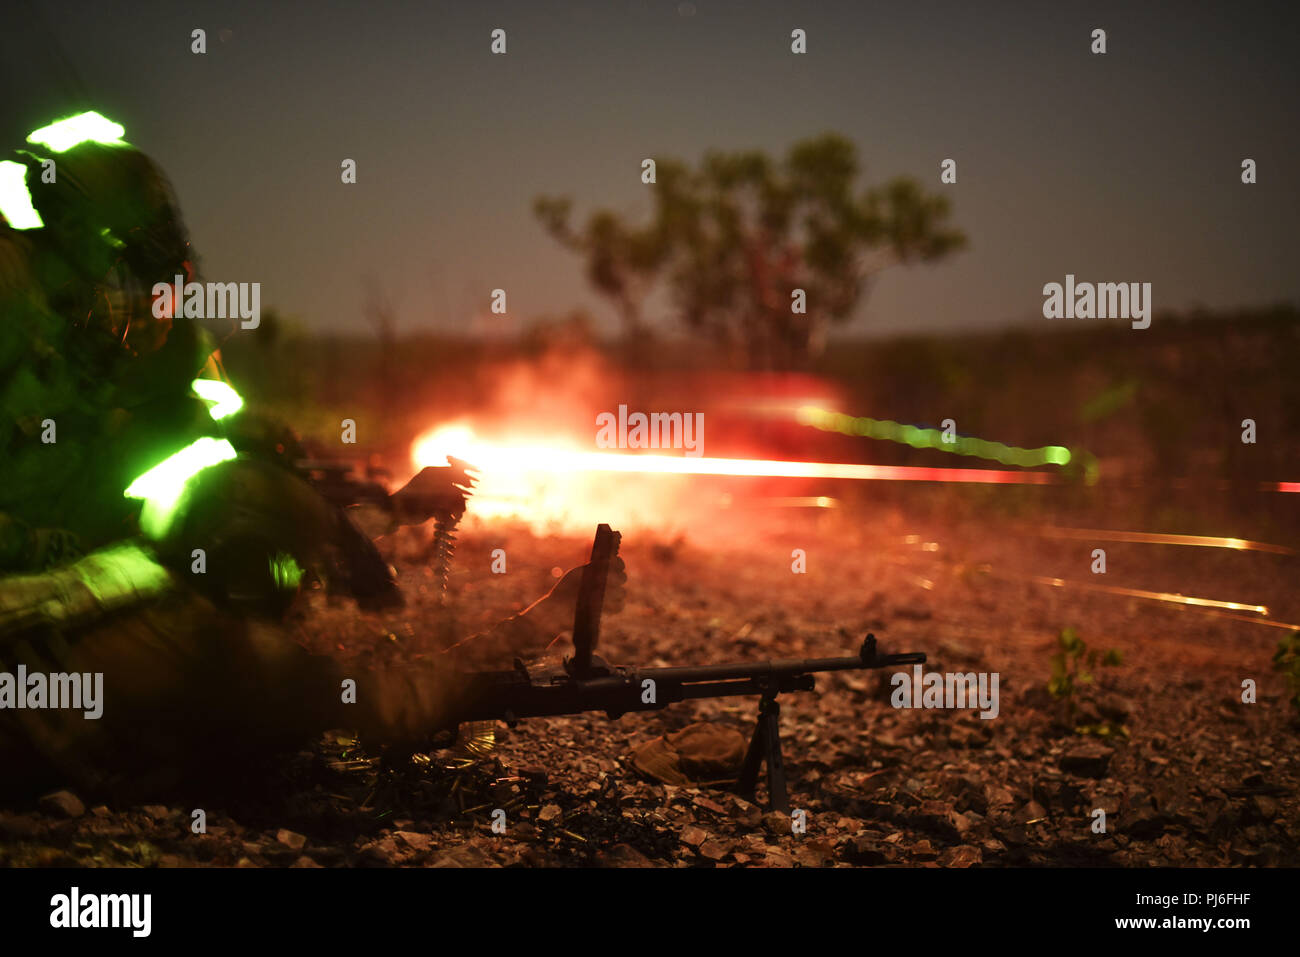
(760, 670)
(550, 691)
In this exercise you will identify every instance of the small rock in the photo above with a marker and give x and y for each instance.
(1031, 812)
(968, 794)
(1015, 834)
(698, 752)
(964, 856)
(923, 850)
(694, 836)
(466, 855)
(937, 818)
(776, 823)
(1265, 807)
(382, 853)
(290, 839)
(1113, 707)
(713, 850)
(623, 855)
(1057, 793)
(549, 813)
(1088, 761)
(778, 858)
(999, 796)
(304, 861)
(868, 849)
(1144, 822)
(812, 854)
(414, 840)
(708, 805)
(63, 804)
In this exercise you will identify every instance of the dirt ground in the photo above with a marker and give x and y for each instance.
(1190, 776)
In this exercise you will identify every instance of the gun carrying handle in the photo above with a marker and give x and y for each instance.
(591, 598)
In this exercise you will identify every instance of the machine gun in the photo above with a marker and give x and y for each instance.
(586, 682)
(363, 506)
(366, 509)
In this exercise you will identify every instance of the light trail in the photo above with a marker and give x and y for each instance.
(793, 501)
(1157, 538)
(1152, 595)
(489, 457)
(1203, 605)
(1288, 625)
(830, 421)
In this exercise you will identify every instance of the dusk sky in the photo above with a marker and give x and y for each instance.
(1117, 167)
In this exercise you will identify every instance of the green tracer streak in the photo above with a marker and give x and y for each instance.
(829, 421)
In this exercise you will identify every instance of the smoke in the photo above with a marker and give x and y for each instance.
(538, 416)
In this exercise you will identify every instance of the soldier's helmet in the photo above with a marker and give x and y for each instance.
(111, 219)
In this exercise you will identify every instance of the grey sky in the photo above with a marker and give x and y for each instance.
(1122, 167)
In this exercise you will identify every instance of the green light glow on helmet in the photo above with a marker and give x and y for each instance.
(225, 400)
(15, 198)
(72, 131)
(162, 485)
(829, 421)
(285, 572)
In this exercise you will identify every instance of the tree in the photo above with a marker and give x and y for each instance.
(734, 239)
(381, 312)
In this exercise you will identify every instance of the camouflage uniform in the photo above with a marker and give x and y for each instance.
(198, 675)
(79, 348)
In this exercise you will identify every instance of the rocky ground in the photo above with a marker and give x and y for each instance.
(1187, 775)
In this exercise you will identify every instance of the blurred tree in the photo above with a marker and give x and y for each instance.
(575, 330)
(734, 239)
(269, 328)
(381, 312)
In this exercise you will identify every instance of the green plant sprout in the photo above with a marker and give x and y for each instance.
(1072, 666)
